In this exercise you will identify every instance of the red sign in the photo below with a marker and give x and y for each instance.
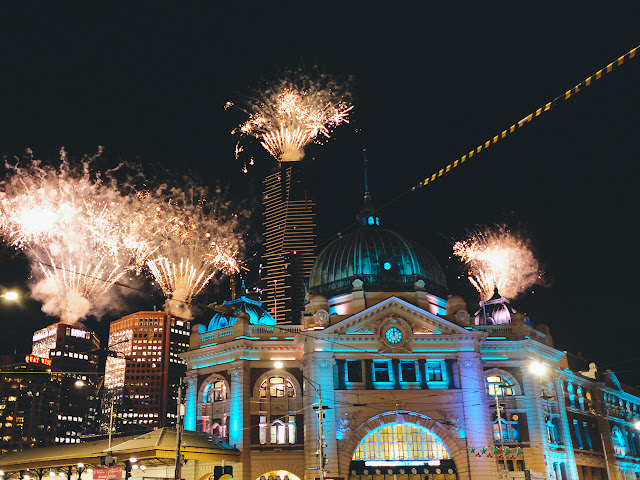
(107, 473)
(34, 359)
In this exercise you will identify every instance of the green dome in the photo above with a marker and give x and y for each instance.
(382, 259)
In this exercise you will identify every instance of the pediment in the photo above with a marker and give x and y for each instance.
(394, 310)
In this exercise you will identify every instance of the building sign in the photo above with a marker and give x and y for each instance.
(107, 473)
(45, 333)
(34, 359)
(76, 332)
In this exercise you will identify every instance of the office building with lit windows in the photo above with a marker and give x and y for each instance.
(289, 242)
(29, 402)
(73, 352)
(413, 384)
(143, 371)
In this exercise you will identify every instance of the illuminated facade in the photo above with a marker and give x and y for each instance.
(142, 375)
(289, 242)
(74, 361)
(413, 386)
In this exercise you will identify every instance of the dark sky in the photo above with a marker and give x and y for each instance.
(431, 81)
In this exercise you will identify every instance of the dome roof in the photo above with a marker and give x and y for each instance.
(495, 311)
(252, 308)
(382, 259)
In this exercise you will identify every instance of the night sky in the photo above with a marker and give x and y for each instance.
(430, 80)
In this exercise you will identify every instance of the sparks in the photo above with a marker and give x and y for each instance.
(294, 112)
(499, 258)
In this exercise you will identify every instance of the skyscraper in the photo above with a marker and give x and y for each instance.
(289, 221)
(74, 360)
(142, 378)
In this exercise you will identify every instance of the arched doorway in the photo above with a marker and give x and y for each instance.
(402, 451)
(278, 475)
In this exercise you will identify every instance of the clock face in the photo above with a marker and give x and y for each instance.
(393, 335)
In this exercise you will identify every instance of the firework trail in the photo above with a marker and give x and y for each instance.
(66, 220)
(499, 258)
(194, 238)
(293, 112)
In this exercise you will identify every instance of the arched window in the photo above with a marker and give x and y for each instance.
(404, 441)
(214, 392)
(277, 387)
(580, 397)
(500, 386)
(282, 430)
(588, 396)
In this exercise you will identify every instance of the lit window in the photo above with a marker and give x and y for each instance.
(215, 392)
(277, 387)
(499, 386)
(400, 442)
(278, 432)
(510, 429)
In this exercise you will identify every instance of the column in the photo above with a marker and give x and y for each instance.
(536, 457)
(191, 400)
(318, 367)
(238, 407)
(477, 421)
(570, 464)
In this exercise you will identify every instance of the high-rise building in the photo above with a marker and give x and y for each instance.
(289, 242)
(142, 378)
(73, 352)
(29, 402)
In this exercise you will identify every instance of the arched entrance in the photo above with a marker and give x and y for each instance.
(402, 451)
(278, 475)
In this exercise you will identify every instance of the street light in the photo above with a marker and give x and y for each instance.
(11, 296)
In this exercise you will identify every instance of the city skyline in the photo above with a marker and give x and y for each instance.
(566, 179)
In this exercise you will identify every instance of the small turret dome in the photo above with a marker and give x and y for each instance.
(239, 307)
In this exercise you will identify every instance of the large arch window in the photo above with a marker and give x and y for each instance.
(403, 441)
(277, 387)
(500, 386)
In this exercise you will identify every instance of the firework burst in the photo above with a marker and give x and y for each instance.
(66, 221)
(84, 232)
(499, 258)
(295, 111)
(185, 238)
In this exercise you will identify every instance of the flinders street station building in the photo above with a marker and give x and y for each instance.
(388, 378)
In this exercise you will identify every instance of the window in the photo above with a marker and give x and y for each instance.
(408, 371)
(499, 386)
(576, 429)
(277, 387)
(552, 431)
(434, 371)
(510, 429)
(215, 392)
(580, 397)
(380, 370)
(354, 371)
(282, 430)
(404, 441)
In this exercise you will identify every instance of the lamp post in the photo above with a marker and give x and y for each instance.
(11, 296)
(495, 394)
